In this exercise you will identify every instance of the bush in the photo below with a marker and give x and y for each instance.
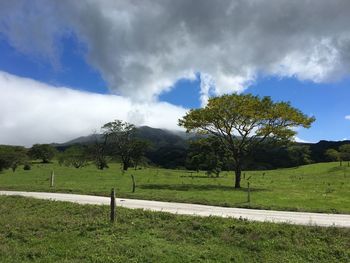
(27, 167)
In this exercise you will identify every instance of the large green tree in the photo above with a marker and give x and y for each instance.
(242, 122)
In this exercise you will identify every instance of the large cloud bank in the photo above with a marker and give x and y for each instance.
(34, 112)
(142, 47)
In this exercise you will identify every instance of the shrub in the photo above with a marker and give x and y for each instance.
(27, 167)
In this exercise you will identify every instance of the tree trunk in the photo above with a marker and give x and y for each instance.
(238, 171)
(125, 166)
(133, 183)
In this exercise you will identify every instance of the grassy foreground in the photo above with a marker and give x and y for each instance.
(323, 187)
(43, 231)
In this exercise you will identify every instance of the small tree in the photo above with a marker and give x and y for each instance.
(333, 155)
(75, 156)
(98, 152)
(45, 152)
(139, 149)
(241, 122)
(344, 151)
(120, 137)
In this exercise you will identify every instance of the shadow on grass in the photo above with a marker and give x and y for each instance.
(338, 168)
(188, 187)
(41, 162)
(202, 176)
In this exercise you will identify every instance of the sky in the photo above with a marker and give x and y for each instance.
(67, 67)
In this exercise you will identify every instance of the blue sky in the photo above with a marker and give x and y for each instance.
(71, 69)
(328, 102)
(127, 61)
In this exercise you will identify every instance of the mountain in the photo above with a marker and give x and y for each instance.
(80, 140)
(161, 138)
(157, 137)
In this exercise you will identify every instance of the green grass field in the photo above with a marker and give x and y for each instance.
(43, 231)
(323, 187)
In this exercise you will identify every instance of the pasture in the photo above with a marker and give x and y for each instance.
(45, 231)
(322, 187)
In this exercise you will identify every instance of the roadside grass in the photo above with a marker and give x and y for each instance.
(46, 231)
(322, 187)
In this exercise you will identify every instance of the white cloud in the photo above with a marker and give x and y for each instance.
(141, 48)
(34, 112)
(297, 139)
(207, 86)
(347, 117)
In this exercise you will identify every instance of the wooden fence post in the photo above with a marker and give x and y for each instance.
(113, 205)
(133, 183)
(248, 192)
(52, 181)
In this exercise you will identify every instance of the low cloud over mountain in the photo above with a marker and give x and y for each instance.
(34, 112)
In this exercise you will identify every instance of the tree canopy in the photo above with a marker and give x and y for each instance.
(207, 154)
(12, 156)
(121, 140)
(299, 155)
(344, 151)
(332, 155)
(241, 122)
(45, 152)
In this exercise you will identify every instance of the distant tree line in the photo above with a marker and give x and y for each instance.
(118, 143)
(14, 156)
(199, 154)
(132, 147)
(266, 156)
(342, 154)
